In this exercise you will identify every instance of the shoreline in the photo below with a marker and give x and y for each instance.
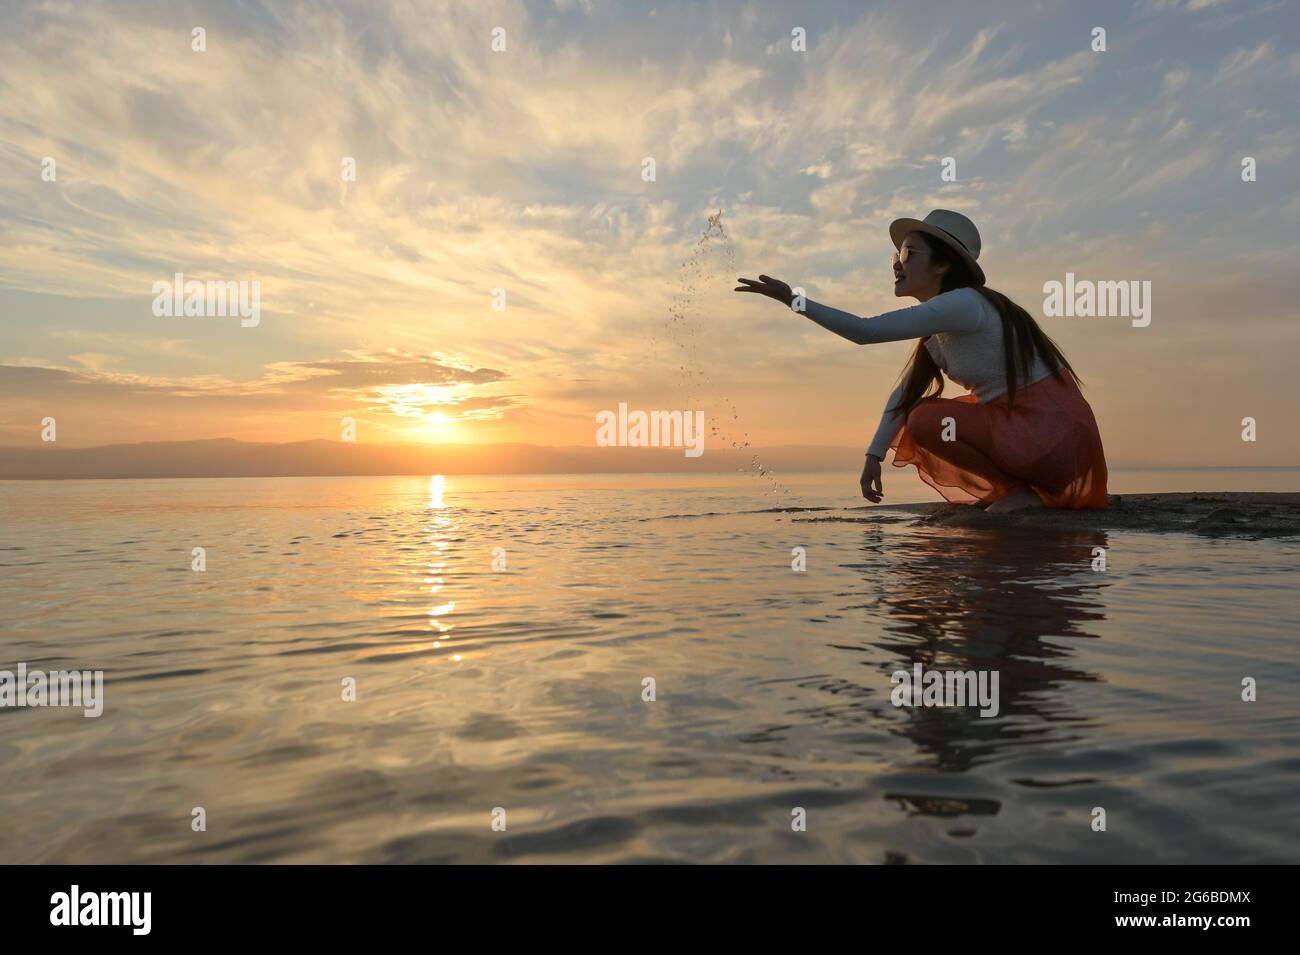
(1254, 514)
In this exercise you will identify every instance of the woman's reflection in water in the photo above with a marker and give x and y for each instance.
(1008, 600)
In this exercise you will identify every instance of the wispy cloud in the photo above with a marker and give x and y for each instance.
(522, 171)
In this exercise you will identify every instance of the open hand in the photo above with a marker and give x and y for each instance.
(766, 285)
(872, 489)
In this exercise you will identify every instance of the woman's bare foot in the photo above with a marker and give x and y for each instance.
(1015, 501)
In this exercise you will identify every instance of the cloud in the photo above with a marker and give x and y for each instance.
(387, 387)
(1175, 80)
(1241, 62)
(1151, 7)
(522, 171)
(362, 371)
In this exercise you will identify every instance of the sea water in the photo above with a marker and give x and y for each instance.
(498, 634)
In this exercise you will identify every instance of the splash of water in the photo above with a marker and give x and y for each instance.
(700, 269)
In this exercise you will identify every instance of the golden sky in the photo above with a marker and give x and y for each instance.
(521, 169)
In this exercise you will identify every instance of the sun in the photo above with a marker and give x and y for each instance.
(438, 425)
(417, 405)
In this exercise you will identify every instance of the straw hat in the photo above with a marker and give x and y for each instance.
(951, 228)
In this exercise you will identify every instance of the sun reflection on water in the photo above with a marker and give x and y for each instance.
(439, 530)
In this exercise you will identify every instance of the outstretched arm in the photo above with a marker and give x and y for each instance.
(890, 422)
(957, 311)
(949, 312)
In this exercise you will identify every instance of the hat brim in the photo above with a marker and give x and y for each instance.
(899, 228)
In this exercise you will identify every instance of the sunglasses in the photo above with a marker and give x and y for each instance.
(904, 253)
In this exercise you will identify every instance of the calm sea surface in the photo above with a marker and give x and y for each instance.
(482, 690)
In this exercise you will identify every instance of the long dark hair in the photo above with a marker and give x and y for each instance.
(1021, 336)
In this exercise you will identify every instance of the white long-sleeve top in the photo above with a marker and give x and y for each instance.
(965, 341)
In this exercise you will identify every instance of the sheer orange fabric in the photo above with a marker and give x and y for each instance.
(1047, 441)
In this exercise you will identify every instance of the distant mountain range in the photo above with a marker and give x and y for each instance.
(225, 457)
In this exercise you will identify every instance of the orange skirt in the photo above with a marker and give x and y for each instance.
(1048, 441)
